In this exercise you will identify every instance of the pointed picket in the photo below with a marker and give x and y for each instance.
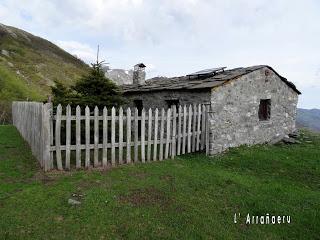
(58, 137)
(174, 124)
(189, 128)
(113, 136)
(194, 128)
(179, 130)
(120, 135)
(198, 127)
(155, 135)
(87, 123)
(143, 121)
(78, 137)
(184, 129)
(149, 134)
(68, 136)
(105, 137)
(96, 137)
(128, 135)
(136, 134)
(161, 134)
(166, 153)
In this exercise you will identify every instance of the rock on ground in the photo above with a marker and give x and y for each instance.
(73, 202)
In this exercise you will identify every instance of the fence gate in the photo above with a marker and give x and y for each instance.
(84, 138)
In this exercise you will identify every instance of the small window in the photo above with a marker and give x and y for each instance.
(172, 102)
(264, 109)
(139, 105)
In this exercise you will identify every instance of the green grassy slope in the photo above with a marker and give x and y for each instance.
(192, 197)
(29, 65)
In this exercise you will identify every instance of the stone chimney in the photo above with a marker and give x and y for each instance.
(139, 74)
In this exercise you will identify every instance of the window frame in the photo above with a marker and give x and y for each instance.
(264, 111)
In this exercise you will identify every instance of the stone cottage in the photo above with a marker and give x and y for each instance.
(249, 105)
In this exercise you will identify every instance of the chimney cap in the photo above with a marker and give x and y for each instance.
(141, 65)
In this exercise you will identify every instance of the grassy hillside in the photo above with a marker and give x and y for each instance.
(191, 197)
(30, 64)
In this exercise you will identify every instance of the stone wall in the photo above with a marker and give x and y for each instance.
(158, 99)
(234, 118)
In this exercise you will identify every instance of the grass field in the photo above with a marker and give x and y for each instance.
(191, 197)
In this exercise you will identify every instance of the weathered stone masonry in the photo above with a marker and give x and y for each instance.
(234, 111)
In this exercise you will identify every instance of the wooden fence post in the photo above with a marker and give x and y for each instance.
(105, 138)
(198, 127)
(120, 135)
(96, 137)
(113, 136)
(166, 153)
(174, 124)
(155, 135)
(149, 134)
(189, 128)
(136, 134)
(57, 137)
(143, 121)
(128, 135)
(78, 137)
(161, 134)
(194, 129)
(87, 123)
(184, 129)
(179, 130)
(45, 136)
(68, 136)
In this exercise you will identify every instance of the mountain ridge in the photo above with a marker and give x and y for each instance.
(29, 65)
(308, 118)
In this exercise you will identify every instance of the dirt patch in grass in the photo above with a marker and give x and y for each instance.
(146, 197)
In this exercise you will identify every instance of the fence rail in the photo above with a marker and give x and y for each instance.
(83, 138)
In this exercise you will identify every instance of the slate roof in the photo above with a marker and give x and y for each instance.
(190, 83)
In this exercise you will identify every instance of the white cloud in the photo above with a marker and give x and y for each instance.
(182, 36)
(81, 50)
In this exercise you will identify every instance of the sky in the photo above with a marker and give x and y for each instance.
(177, 37)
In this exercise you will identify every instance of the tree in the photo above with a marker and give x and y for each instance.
(60, 93)
(93, 89)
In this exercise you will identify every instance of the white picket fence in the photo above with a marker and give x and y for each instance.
(103, 138)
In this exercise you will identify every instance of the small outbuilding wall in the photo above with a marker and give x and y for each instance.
(159, 99)
(234, 117)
